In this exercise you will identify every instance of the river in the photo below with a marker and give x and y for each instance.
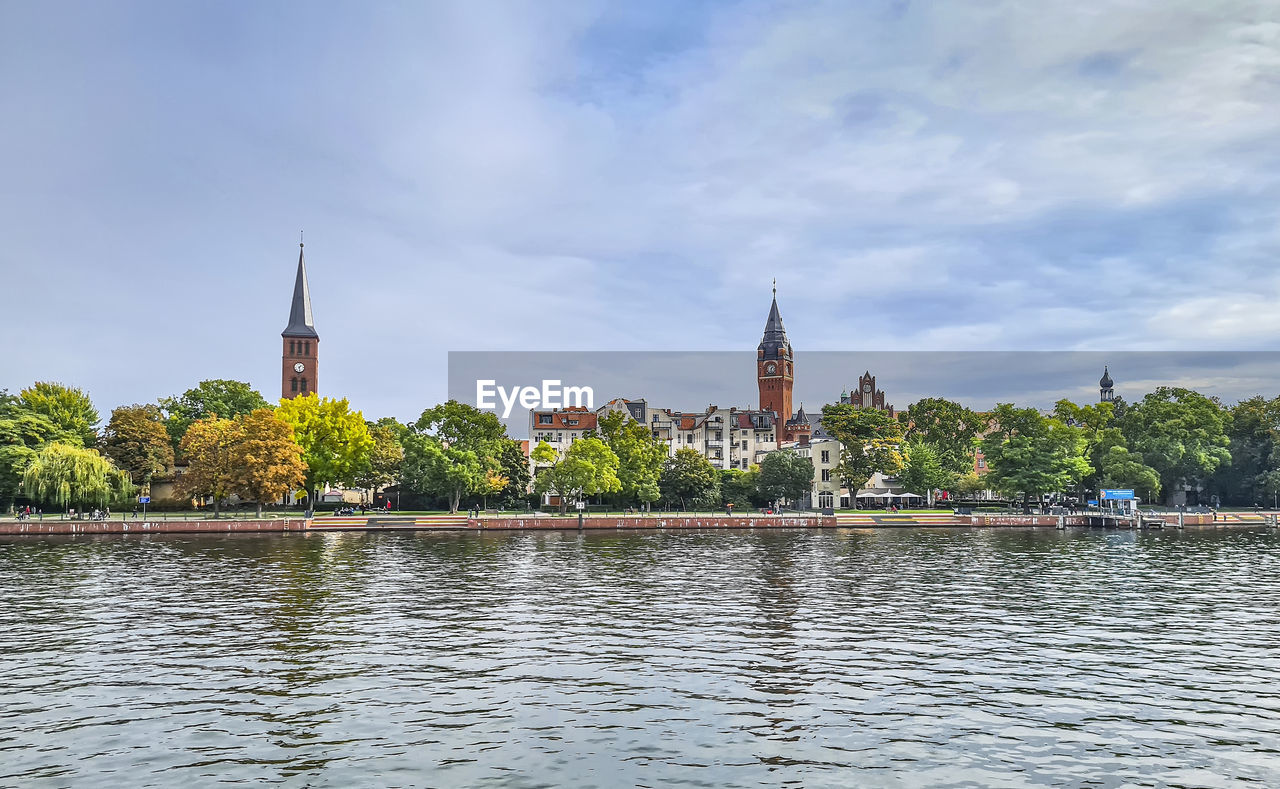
(926, 657)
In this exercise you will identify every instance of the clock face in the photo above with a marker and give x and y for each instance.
(770, 368)
(299, 367)
(865, 387)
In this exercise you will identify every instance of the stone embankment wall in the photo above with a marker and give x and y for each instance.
(659, 522)
(56, 526)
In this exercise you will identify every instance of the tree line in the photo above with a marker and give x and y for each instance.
(230, 442)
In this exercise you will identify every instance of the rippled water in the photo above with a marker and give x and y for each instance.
(823, 658)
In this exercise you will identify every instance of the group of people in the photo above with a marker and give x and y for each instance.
(25, 513)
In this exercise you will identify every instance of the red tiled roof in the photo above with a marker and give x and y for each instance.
(586, 419)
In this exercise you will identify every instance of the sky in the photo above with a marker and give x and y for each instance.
(581, 176)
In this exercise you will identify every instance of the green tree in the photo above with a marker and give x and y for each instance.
(785, 475)
(923, 471)
(1180, 433)
(515, 468)
(266, 461)
(216, 397)
(385, 460)
(462, 426)
(1254, 471)
(65, 406)
(1030, 454)
(688, 477)
(589, 467)
(22, 435)
(870, 441)
(741, 488)
(1120, 468)
(948, 428)
(430, 467)
(640, 454)
(335, 440)
(67, 475)
(136, 441)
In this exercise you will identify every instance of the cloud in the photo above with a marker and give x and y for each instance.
(590, 176)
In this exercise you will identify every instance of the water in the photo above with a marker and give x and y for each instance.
(845, 658)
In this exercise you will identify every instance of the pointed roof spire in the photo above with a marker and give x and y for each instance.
(300, 320)
(1105, 382)
(775, 334)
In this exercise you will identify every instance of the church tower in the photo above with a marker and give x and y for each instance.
(1106, 386)
(301, 342)
(775, 374)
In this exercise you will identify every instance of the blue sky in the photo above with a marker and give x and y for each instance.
(599, 176)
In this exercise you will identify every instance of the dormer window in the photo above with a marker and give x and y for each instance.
(544, 419)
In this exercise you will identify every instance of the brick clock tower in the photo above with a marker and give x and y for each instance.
(775, 373)
(298, 373)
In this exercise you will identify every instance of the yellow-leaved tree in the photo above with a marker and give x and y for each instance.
(210, 447)
(267, 461)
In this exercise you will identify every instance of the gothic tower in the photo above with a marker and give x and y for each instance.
(301, 342)
(775, 374)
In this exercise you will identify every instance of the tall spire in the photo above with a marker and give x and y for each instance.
(300, 321)
(775, 334)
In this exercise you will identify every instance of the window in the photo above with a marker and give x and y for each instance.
(306, 348)
(544, 419)
(304, 385)
(826, 475)
(571, 421)
(294, 385)
(826, 456)
(690, 439)
(291, 344)
(744, 446)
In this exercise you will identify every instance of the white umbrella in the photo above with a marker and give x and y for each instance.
(909, 495)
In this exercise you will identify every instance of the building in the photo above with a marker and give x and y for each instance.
(1106, 387)
(301, 348)
(866, 395)
(824, 451)
(775, 377)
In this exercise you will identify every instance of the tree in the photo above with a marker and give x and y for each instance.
(67, 475)
(589, 467)
(210, 447)
(217, 397)
(923, 471)
(136, 441)
(1181, 434)
(1029, 454)
(1119, 468)
(266, 461)
(870, 442)
(431, 467)
(948, 428)
(22, 435)
(335, 440)
(741, 488)
(515, 468)
(463, 426)
(384, 462)
(785, 475)
(67, 407)
(462, 432)
(640, 454)
(689, 477)
(1255, 453)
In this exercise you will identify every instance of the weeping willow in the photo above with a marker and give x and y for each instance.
(65, 475)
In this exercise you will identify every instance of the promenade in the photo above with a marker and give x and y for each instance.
(600, 522)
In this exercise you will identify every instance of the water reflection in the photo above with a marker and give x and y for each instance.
(835, 658)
